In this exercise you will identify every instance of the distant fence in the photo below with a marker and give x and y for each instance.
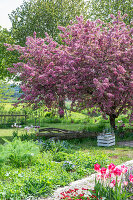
(21, 118)
(8, 119)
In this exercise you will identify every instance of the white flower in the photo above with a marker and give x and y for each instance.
(20, 175)
(27, 128)
(7, 174)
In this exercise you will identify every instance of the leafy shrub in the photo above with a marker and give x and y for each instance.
(20, 153)
(48, 114)
(26, 136)
(56, 146)
(15, 134)
(60, 156)
(3, 155)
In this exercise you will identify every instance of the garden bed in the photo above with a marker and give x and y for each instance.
(87, 183)
(37, 168)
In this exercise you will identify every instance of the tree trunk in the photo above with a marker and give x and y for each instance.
(61, 108)
(112, 121)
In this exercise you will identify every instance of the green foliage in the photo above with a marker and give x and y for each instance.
(6, 58)
(68, 166)
(43, 16)
(36, 187)
(28, 137)
(15, 134)
(56, 146)
(102, 9)
(86, 160)
(6, 91)
(60, 156)
(23, 175)
(19, 153)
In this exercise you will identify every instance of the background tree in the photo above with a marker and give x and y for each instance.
(6, 58)
(101, 9)
(6, 92)
(43, 16)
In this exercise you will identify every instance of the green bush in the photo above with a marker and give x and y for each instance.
(26, 136)
(56, 146)
(19, 153)
(60, 156)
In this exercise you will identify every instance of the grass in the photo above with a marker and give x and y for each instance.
(116, 154)
(9, 131)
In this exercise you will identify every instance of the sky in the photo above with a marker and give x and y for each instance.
(6, 7)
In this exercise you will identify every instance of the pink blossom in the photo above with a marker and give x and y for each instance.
(96, 167)
(103, 170)
(111, 185)
(131, 178)
(125, 183)
(111, 166)
(124, 169)
(113, 182)
(93, 67)
(117, 172)
(121, 69)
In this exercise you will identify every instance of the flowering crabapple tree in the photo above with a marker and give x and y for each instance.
(93, 67)
(100, 57)
(41, 72)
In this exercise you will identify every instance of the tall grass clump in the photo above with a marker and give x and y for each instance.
(18, 153)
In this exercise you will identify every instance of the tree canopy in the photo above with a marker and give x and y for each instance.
(101, 9)
(92, 67)
(6, 91)
(6, 58)
(43, 16)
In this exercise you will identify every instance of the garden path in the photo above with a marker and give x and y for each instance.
(126, 143)
(87, 182)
